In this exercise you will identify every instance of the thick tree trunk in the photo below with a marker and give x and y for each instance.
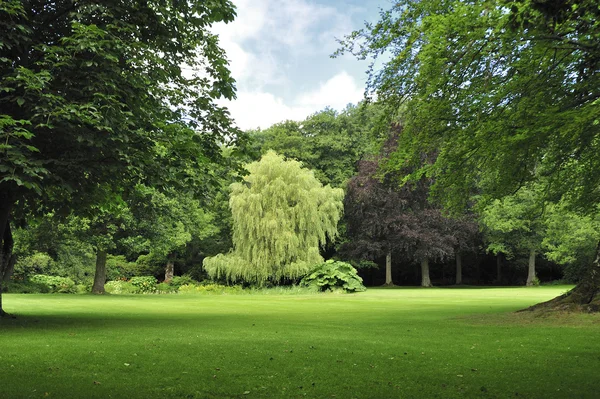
(585, 296)
(425, 281)
(458, 268)
(6, 240)
(100, 276)
(531, 273)
(170, 269)
(388, 270)
(499, 267)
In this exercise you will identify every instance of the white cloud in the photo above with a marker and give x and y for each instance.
(254, 109)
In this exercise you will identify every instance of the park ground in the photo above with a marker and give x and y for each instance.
(384, 343)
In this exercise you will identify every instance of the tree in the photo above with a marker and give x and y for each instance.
(93, 94)
(281, 216)
(384, 218)
(504, 91)
(514, 223)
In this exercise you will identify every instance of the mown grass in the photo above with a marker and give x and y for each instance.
(385, 343)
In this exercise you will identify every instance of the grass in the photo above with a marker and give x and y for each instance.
(385, 343)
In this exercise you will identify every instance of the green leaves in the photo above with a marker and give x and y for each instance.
(281, 216)
(333, 275)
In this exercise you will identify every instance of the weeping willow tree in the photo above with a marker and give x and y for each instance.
(281, 216)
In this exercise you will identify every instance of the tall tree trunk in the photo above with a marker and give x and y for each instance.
(425, 281)
(499, 267)
(6, 240)
(100, 276)
(388, 270)
(585, 295)
(458, 268)
(531, 273)
(170, 269)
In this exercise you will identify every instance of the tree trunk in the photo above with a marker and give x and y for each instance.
(425, 281)
(100, 276)
(170, 269)
(6, 240)
(388, 270)
(585, 296)
(458, 268)
(531, 273)
(499, 267)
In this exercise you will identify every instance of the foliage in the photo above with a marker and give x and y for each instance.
(501, 90)
(26, 287)
(144, 284)
(165, 288)
(333, 275)
(327, 142)
(281, 216)
(178, 281)
(120, 287)
(36, 263)
(209, 289)
(63, 285)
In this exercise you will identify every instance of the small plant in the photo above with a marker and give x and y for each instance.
(333, 275)
(144, 284)
(165, 288)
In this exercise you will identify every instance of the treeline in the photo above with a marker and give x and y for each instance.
(390, 230)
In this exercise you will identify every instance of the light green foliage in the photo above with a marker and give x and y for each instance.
(328, 142)
(63, 285)
(334, 275)
(144, 284)
(178, 281)
(281, 216)
(571, 239)
(36, 263)
(120, 287)
(209, 289)
(514, 223)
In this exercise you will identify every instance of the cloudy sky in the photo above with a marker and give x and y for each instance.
(279, 52)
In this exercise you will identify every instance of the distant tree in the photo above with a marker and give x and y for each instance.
(281, 216)
(515, 223)
(384, 218)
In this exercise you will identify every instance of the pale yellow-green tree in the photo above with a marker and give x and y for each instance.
(282, 215)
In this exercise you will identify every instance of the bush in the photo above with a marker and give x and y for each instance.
(118, 268)
(63, 285)
(210, 289)
(119, 287)
(178, 281)
(36, 263)
(25, 287)
(165, 288)
(144, 284)
(333, 275)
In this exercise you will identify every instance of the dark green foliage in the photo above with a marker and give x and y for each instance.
(54, 284)
(36, 263)
(144, 284)
(26, 287)
(165, 288)
(334, 275)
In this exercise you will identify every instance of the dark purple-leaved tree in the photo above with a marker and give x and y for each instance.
(385, 219)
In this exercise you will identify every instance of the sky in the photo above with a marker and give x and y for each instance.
(279, 53)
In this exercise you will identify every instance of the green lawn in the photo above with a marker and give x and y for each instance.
(385, 343)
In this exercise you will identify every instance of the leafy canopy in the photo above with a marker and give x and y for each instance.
(281, 216)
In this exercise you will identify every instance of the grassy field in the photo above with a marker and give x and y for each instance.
(385, 343)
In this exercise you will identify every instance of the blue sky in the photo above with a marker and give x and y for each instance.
(279, 52)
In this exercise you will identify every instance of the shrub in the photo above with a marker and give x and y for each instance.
(63, 285)
(25, 287)
(118, 268)
(119, 287)
(209, 289)
(178, 281)
(165, 288)
(36, 263)
(144, 284)
(333, 275)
